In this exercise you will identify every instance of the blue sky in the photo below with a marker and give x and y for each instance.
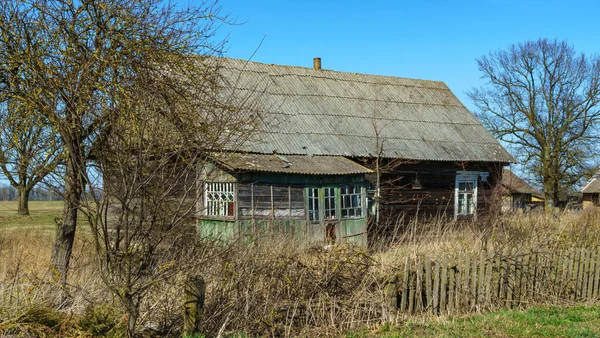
(432, 40)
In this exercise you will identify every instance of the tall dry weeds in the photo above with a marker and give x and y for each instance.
(272, 287)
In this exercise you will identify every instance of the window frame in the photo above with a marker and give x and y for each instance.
(329, 204)
(313, 215)
(465, 177)
(352, 190)
(214, 207)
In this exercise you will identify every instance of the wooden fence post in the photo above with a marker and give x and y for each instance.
(194, 304)
(405, 286)
(391, 294)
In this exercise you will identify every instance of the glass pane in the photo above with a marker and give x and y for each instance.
(469, 204)
(461, 204)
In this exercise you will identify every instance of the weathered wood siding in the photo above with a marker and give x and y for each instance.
(436, 195)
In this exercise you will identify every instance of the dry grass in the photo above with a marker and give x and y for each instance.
(276, 287)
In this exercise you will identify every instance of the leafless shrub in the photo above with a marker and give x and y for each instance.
(278, 286)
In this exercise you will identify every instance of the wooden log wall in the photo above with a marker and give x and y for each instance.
(466, 282)
(435, 197)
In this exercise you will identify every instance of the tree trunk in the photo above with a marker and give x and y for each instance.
(133, 314)
(65, 230)
(23, 201)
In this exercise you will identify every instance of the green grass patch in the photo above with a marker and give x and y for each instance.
(535, 322)
(41, 216)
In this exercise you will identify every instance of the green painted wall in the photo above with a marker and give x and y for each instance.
(352, 231)
(347, 230)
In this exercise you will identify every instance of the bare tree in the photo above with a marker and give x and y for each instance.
(29, 152)
(143, 222)
(93, 53)
(542, 99)
(29, 149)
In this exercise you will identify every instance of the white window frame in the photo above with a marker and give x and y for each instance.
(329, 204)
(322, 203)
(466, 177)
(313, 205)
(217, 199)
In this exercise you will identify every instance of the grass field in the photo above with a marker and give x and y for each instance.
(41, 216)
(534, 322)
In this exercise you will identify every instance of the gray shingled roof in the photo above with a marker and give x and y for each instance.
(592, 186)
(322, 112)
(516, 185)
(291, 164)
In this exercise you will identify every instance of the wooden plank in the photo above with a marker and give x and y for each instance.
(443, 284)
(391, 295)
(460, 266)
(473, 289)
(518, 278)
(481, 277)
(488, 279)
(596, 275)
(419, 284)
(436, 286)
(584, 263)
(581, 279)
(571, 272)
(451, 284)
(590, 274)
(554, 271)
(404, 299)
(567, 269)
(464, 302)
(502, 275)
(428, 284)
(525, 278)
(535, 268)
(579, 274)
(411, 293)
(510, 290)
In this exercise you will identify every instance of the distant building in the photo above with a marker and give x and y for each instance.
(517, 194)
(591, 192)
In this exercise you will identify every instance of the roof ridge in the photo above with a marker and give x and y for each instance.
(331, 71)
(588, 183)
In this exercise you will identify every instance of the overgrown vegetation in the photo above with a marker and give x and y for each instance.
(277, 287)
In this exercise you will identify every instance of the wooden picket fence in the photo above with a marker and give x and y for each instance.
(471, 281)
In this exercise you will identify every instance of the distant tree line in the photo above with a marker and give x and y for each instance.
(8, 193)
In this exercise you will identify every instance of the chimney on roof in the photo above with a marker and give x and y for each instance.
(317, 63)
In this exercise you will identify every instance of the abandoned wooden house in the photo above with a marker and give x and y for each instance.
(326, 141)
(518, 195)
(591, 192)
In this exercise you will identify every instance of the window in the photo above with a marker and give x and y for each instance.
(219, 199)
(329, 195)
(351, 201)
(321, 198)
(465, 194)
(313, 204)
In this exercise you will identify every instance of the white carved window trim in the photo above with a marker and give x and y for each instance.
(219, 199)
(465, 187)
